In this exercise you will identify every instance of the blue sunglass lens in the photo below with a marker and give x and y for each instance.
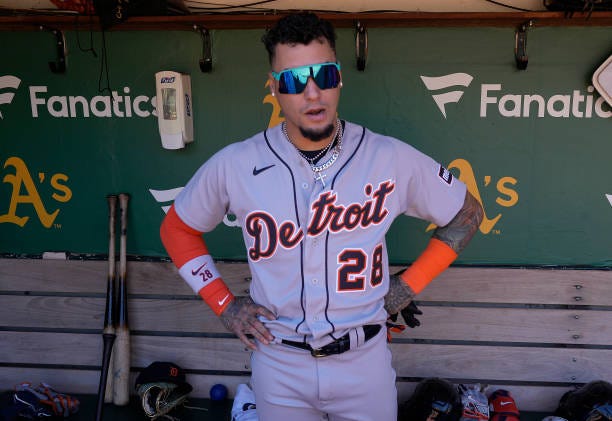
(293, 81)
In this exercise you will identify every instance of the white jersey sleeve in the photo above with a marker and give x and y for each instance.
(427, 190)
(204, 200)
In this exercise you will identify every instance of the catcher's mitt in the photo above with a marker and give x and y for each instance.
(162, 388)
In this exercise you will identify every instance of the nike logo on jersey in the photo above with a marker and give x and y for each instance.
(260, 170)
(505, 403)
(221, 302)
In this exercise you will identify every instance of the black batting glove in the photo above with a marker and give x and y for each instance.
(409, 314)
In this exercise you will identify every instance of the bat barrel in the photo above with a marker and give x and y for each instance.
(122, 299)
(105, 393)
(110, 315)
(121, 354)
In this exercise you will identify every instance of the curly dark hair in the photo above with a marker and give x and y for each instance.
(298, 28)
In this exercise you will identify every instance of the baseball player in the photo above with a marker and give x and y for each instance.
(315, 197)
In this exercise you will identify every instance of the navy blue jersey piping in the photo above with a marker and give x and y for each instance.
(297, 217)
(327, 235)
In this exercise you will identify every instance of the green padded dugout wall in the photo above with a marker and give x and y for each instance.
(533, 145)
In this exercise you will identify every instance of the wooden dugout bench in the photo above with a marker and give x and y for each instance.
(534, 332)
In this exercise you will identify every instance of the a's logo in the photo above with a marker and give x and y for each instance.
(443, 83)
(8, 82)
(25, 193)
(276, 114)
(504, 187)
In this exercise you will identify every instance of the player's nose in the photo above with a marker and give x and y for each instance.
(311, 91)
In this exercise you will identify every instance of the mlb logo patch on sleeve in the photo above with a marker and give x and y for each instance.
(445, 175)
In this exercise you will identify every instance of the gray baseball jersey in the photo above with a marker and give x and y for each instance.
(317, 251)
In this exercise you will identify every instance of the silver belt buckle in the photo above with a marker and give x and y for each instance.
(317, 353)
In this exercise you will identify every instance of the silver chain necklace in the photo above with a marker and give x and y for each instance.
(317, 169)
(317, 156)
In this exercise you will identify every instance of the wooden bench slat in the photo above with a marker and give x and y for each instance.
(478, 285)
(86, 350)
(558, 365)
(540, 286)
(556, 326)
(527, 364)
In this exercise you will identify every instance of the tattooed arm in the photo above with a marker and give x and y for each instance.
(460, 230)
(456, 235)
(241, 317)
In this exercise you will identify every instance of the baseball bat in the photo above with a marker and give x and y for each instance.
(110, 317)
(121, 354)
(108, 333)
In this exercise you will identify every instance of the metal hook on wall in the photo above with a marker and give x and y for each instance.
(520, 45)
(361, 46)
(206, 60)
(58, 66)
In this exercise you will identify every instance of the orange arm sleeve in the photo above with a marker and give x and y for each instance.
(436, 257)
(186, 247)
(182, 242)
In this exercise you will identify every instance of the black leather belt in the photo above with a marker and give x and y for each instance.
(338, 346)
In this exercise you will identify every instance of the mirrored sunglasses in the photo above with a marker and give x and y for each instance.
(294, 80)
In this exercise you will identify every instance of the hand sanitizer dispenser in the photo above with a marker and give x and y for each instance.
(174, 112)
